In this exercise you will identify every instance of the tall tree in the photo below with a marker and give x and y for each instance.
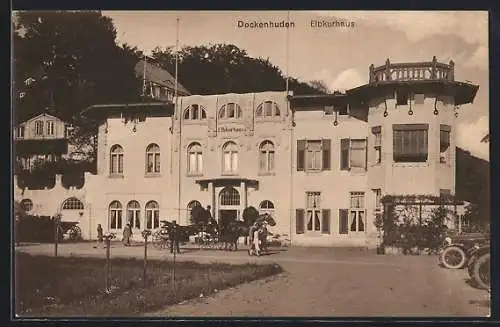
(225, 68)
(70, 60)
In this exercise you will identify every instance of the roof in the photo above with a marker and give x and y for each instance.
(159, 76)
(23, 118)
(103, 110)
(462, 92)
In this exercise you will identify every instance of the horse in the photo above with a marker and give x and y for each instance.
(230, 233)
(267, 218)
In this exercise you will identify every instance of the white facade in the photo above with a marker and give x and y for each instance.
(321, 180)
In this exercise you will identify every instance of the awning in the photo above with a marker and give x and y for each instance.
(227, 181)
(42, 147)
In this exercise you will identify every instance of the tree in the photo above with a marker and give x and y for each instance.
(250, 215)
(228, 68)
(199, 215)
(320, 86)
(71, 61)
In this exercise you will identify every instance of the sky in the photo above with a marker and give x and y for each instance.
(340, 56)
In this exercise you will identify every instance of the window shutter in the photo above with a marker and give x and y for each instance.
(343, 221)
(299, 221)
(366, 154)
(344, 154)
(325, 223)
(301, 153)
(326, 147)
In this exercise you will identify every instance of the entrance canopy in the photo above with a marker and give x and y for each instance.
(228, 181)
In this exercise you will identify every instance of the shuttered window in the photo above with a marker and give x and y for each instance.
(301, 148)
(299, 221)
(326, 147)
(353, 153)
(314, 155)
(344, 154)
(343, 221)
(325, 223)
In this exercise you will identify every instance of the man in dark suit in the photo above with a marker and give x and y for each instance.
(174, 238)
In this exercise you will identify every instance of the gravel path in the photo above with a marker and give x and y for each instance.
(322, 282)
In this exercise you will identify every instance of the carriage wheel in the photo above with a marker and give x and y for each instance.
(158, 240)
(75, 233)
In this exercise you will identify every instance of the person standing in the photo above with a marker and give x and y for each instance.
(256, 240)
(127, 233)
(100, 236)
(174, 238)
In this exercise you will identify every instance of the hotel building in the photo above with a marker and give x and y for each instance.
(319, 164)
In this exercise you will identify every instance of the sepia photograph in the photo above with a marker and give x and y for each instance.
(250, 164)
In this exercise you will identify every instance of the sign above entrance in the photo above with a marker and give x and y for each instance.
(231, 129)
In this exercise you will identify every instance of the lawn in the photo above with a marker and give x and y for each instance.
(70, 286)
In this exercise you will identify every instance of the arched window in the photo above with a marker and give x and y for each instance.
(195, 159)
(266, 205)
(152, 215)
(230, 157)
(153, 159)
(72, 204)
(195, 112)
(266, 157)
(134, 214)
(26, 205)
(116, 160)
(267, 109)
(115, 215)
(230, 111)
(229, 196)
(190, 207)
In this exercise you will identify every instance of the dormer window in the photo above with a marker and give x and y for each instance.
(230, 111)
(267, 109)
(195, 112)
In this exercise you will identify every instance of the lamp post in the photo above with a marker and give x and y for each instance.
(57, 219)
(107, 240)
(145, 234)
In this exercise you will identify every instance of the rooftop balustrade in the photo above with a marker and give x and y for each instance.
(418, 71)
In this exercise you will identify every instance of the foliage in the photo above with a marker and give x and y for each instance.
(473, 185)
(43, 174)
(71, 60)
(250, 215)
(71, 286)
(229, 70)
(320, 86)
(199, 215)
(402, 225)
(31, 228)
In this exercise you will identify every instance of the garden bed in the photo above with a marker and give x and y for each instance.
(64, 287)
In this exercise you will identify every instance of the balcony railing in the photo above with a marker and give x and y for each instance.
(419, 71)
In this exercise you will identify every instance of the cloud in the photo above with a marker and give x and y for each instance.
(469, 136)
(479, 58)
(471, 26)
(347, 79)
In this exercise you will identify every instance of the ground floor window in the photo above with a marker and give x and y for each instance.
(115, 215)
(134, 214)
(313, 211)
(152, 215)
(357, 212)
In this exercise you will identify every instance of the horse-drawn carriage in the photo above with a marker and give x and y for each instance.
(213, 236)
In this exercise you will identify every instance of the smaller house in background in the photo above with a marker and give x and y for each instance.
(158, 84)
(486, 138)
(43, 137)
